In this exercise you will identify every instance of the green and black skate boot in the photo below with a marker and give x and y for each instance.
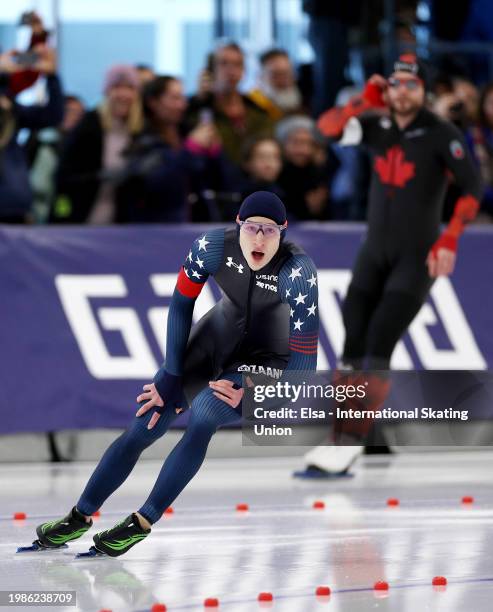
(120, 538)
(56, 534)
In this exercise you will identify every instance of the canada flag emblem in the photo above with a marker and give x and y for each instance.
(394, 169)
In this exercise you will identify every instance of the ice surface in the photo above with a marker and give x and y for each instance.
(282, 545)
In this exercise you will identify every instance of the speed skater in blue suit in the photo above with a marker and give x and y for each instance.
(267, 321)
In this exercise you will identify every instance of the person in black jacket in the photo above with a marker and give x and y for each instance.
(328, 35)
(93, 155)
(166, 168)
(304, 179)
(262, 165)
(15, 190)
(42, 150)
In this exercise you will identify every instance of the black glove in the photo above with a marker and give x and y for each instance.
(170, 389)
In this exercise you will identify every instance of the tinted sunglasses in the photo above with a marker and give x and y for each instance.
(409, 84)
(269, 229)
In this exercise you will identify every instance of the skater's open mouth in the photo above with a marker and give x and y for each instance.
(257, 255)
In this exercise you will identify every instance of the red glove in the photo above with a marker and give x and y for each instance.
(465, 211)
(445, 241)
(332, 122)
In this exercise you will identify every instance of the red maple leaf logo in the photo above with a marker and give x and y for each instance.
(393, 169)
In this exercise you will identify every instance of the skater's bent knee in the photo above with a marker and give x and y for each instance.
(139, 437)
(201, 427)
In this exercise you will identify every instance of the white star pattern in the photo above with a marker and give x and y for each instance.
(202, 243)
(294, 273)
(300, 299)
(196, 265)
(301, 296)
(312, 280)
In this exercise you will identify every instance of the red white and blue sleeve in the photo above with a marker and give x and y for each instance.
(298, 287)
(203, 259)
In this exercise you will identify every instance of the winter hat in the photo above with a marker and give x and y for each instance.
(121, 74)
(408, 62)
(287, 126)
(263, 204)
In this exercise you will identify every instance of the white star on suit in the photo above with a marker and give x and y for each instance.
(311, 309)
(294, 273)
(196, 274)
(186, 272)
(312, 280)
(288, 292)
(202, 242)
(291, 312)
(300, 299)
(189, 258)
(298, 324)
(199, 262)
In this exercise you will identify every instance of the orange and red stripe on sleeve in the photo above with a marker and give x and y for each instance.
(186, 286)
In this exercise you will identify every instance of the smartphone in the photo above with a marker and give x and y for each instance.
(29, 58)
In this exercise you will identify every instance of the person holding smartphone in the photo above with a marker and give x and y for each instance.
(15, 191)
(236, 117)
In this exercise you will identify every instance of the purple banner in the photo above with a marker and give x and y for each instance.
(83, 315)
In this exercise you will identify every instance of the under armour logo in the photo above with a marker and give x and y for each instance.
(230, 263)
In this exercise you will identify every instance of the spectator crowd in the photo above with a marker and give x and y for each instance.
(149, 154)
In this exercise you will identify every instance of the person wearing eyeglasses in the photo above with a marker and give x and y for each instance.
(414, 154)
(266, 322)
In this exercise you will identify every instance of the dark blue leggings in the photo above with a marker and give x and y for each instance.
(207, 413)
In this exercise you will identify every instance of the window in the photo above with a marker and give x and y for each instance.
(172, 36)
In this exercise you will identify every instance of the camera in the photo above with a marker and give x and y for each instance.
(28, 58)
(27, 18)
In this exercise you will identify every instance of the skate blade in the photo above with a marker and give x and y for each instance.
(37, 547)
(311, 474)
(90, 554)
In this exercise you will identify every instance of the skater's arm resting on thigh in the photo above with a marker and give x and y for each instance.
(298, 287)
